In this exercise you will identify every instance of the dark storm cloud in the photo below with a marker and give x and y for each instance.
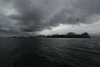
(87, 11)
(36, 15)
(6, 24)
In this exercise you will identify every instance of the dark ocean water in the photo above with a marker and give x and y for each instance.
(45, 52)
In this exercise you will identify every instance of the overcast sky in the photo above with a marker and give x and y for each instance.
(31, 17)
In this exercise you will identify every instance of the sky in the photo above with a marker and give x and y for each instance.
(46, 17)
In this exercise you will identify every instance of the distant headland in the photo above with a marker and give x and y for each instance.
(68, 35)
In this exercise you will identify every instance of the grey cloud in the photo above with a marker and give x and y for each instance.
(31, 15)
(85, 10)
(36, 15)
(6, 23)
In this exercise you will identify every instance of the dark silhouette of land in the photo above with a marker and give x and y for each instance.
(71, 35)
(68, 35)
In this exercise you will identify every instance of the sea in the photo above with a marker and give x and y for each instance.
(49, 52)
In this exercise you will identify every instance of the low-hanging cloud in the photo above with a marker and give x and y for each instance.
(36, 15)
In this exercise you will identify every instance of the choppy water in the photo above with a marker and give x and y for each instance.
(25, 52)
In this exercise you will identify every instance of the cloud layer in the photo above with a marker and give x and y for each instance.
(37, 15)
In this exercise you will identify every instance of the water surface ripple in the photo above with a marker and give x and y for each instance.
(48, 52)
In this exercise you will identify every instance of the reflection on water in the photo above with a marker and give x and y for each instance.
(24, 52)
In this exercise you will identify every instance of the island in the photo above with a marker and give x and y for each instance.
(70, 35)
